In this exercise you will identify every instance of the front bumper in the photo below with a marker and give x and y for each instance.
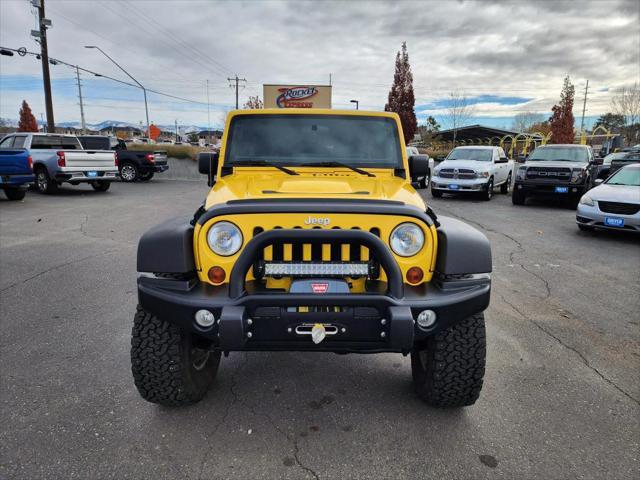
(87, 176)
(463, 185)
(549, 188)
(593, 217)
(265, 320)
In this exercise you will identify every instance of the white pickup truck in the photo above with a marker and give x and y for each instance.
(60, 158)
(473, 169)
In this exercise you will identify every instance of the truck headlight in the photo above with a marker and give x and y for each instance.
(224, 238)
(587, 200)
(406, 239)
(482, 174)
(521, 173)
(577, 175)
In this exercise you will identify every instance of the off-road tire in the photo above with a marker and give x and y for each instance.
(436, 193)
(44, 183)
(15, 193)
(517, 197)
(129, 172)
(506, 186)
(99, 186)
(162, 362)
(448, 368)
(145, 177)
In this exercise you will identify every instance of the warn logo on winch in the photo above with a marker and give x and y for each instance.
(319, 287)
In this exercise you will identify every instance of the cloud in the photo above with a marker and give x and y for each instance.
(507, 56)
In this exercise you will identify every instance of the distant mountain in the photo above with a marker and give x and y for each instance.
(184, 129)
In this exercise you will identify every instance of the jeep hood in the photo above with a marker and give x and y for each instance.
(334, 185)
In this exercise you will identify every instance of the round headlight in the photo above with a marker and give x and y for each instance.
(406, 239)
(224, 238)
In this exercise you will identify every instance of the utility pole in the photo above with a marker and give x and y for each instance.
(176, 131)
(208, 116)
(84, 125)
(44, 57)
(236, 80)
(584, 105)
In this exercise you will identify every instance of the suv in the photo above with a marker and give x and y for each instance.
(477, 169)
(311, 239)
(562, 171)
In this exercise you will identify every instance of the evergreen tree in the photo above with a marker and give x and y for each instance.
(27, 121)
(562, 120)
(401, 96)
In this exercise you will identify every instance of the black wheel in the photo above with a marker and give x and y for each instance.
(585, 228)
(448, 369)
(44, 183)
(488, 193)
(506, 186)
(168, 368)
(99, 186)
(436, 193)
(129, 172)
(517, 197)
(145, 177)
(15, 193)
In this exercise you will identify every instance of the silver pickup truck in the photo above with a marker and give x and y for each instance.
(61, 159)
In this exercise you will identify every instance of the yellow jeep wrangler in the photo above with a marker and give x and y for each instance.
(311, 239)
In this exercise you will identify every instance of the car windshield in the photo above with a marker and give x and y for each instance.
(559, 154)
(477, 154)
(294, 140)
(625, 176)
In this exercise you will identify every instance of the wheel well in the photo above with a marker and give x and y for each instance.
(40, 166)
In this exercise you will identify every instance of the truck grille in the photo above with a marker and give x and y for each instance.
(314, 256)
(549, 173)
(620, 208)
(460, 173)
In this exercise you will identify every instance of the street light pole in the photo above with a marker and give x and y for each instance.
(144, 90)
(356, 102)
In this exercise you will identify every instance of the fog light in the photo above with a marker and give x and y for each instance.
(205, 318)
(426, 318)
(216, 274)
(415, 275)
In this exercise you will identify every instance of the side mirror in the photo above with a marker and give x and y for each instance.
(598, 181)
(597, 161)
(502, 160)
(208, 165)
(418, 166)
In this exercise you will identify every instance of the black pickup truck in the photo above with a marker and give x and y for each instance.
(133, 165)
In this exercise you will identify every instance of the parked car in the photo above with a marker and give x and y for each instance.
(133, 164)
(614, 203)
(423, 181)
(474, 169)
(61, 159)
(561, 171)
(16, 172)
(621, 159)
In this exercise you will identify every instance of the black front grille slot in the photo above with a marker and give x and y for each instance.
(619, 208)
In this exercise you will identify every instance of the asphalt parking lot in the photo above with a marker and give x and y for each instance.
(560, 400)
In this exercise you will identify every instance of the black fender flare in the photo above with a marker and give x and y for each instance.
(167, 248)
(462, 249)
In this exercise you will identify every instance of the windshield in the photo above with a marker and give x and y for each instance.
(478, 154)
(625, 176)
(612, 156)
(293, 140)
(559, 154)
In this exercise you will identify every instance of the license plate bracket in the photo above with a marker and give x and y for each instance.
(562, 189)
(454, 186)
(92, 174)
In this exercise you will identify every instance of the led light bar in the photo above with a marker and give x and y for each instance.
(308, 269)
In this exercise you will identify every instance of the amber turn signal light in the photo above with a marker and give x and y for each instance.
(217, 274)
(415, 275)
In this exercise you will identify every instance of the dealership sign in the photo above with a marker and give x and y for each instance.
(297, 96)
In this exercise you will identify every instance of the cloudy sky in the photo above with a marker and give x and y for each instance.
(507, 56)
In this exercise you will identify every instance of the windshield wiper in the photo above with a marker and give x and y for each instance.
(338, 164)
(262, 163)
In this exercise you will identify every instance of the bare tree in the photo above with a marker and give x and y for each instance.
(627, 103)
(458, 111)
(523, 122)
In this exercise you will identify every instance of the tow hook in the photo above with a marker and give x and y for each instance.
(318, 331)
